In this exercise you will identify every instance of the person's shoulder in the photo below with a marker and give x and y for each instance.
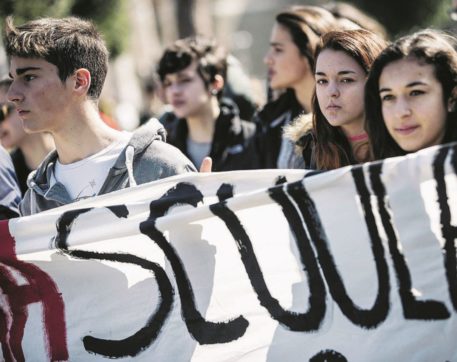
(232, 119)
(153, 129)
(275, 112)
(160, 159)
(167, 117)
(301, 133)
(5, 158)
(247, 128)
(159, 149)
(301, 126)
(271, 109)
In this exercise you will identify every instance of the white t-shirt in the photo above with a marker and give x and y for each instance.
(84, 178)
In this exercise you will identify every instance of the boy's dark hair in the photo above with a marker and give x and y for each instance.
(427, 47)
(211, 58)
(69, 43)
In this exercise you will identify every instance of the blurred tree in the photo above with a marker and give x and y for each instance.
(24, 10)
(402, 16)
(109, 15)
(444, 16)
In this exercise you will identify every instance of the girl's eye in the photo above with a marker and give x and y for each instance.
(416, 92)
(321, 81)
(277, 50)
(29, 77)
(387, 97)
(347, 80)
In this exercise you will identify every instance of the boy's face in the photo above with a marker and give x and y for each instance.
(186, 92)
(42, 101)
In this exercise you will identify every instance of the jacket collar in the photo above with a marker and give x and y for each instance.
(227, 129)
(151, 131)
(39, 180)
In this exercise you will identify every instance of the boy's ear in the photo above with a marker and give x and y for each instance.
(82, 81)
(217, 84)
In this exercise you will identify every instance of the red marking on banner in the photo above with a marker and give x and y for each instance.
(41, 288)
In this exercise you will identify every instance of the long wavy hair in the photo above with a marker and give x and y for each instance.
(332, 148)
(429, 47)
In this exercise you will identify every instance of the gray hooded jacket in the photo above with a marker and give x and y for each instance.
(145, 158)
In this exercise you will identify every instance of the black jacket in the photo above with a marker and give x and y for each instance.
(233, 145)
(270, 122)
(21, 168)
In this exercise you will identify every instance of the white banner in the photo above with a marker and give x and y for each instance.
(356, 264)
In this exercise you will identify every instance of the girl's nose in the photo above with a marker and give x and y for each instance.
(402, 108)
(333, 90)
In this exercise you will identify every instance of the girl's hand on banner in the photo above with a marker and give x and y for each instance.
(206, 165)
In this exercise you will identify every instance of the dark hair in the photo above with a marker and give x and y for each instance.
(431, 47)
(69, 43)
(211, 58)
(306, 24)
(332, 148)
(349, 12)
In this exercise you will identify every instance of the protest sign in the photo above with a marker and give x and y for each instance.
(355, 264)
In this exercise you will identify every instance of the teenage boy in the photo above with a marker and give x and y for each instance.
(27, 150)
(58, 67)
(192, 72)
(10, 196)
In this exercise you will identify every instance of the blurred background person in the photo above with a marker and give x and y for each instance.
(10, 195)
(290, 63)
(27, 150)
(239, 88)
(202, 123)
(153, 105)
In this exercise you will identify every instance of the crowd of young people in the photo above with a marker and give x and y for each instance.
(340, 95)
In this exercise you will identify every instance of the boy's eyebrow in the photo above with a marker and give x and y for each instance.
(20, 71)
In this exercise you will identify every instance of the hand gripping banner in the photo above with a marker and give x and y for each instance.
(355, 264)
